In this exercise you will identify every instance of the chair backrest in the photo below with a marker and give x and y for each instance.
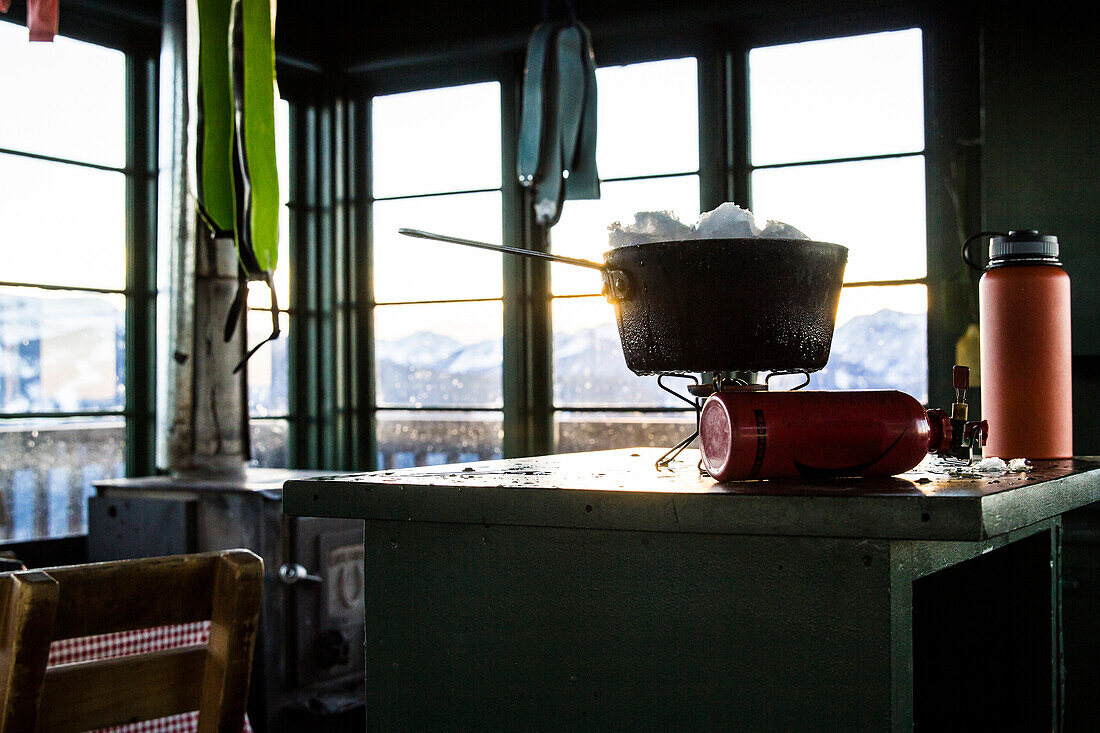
(105, 598)
(28, 604)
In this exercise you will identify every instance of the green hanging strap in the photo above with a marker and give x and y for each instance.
(213, 110)
(252, 75)
(256, 183)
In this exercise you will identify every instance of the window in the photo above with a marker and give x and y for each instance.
(834, 146)
(837, 141)
(647, 161)
(438, 308)
(268, 369)
(63, 280)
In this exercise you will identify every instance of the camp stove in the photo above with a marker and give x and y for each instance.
(748, 431)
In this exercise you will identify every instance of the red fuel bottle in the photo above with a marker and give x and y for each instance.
(753, 434)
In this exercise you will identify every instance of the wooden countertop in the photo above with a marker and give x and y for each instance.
(621, 490)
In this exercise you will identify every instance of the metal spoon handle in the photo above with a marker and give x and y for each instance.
(502, 248)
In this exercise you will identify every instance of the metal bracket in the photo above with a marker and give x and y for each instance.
(617, 285)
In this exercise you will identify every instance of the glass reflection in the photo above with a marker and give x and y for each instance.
(436, 355)
(409, 269)
(875, 208)
(47, 468)
(648, 118)
(837, 98)
(61, 224)
(585, 431)
(61, 352)
(414, 152)
(425, 438)
(589, 366)
(48, 86)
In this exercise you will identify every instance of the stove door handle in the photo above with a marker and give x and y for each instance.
(293, 573)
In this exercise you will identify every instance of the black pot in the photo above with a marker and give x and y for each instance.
(726, 304)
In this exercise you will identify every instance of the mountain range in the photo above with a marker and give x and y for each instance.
(881, 350)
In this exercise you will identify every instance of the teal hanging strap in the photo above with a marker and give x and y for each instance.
(557, 141)
(533, 138)
(584, 180)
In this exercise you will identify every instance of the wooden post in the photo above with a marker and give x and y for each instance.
(28, 605)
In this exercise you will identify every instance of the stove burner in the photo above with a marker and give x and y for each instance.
(700, 391)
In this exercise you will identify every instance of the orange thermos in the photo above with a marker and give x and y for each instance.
(1024, 314)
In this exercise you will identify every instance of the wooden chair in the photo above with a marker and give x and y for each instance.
(28, 604)
(105, 598)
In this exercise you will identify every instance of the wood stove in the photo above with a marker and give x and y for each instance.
(307, 671)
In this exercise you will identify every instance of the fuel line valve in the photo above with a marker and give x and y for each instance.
(954, 435)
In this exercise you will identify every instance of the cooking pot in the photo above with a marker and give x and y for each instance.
(709, 305)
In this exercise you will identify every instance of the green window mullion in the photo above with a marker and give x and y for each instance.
(737, 157)
(715, 127)
(141, 264)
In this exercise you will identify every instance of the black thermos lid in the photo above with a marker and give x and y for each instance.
(1023, 246)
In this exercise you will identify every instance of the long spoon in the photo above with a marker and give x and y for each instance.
(503, 248)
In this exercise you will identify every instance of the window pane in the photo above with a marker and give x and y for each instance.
(582, 231)
(874, 207)
(585, 431)
(46, 472)
(439, 355)
(66, 99)
(422, 438)
(880, 341)
(838, 98)
(436, 140)
(61, 224)
(269, 447)
(267, 369)
(648, 118)
(408, 269)
(589, 366)
(60, 351)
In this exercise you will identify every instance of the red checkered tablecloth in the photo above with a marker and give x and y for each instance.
(141, 641)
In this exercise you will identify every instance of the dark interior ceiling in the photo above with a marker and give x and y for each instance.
(372, 32)
(343, 33)
(378, 30)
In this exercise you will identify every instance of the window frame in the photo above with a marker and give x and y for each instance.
(139, 40)
(628, 55)
(749, 168)
(286, 309)
(721, 49)
(330, 347)
(385, 85)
